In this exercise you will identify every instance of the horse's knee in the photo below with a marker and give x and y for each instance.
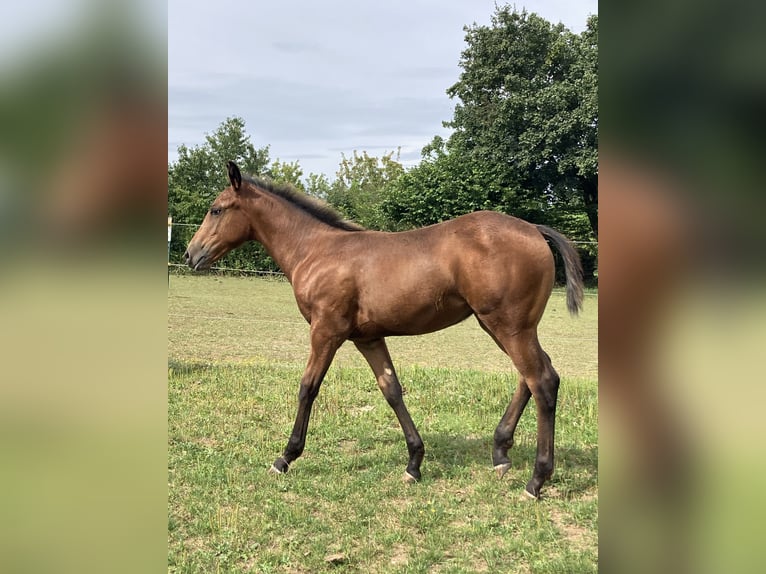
(555, 379)
(550, 380)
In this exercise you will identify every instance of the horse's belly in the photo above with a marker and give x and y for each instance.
(413, 315)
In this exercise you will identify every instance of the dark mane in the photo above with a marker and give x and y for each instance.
(311, 205)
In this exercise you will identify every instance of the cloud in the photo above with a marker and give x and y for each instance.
(293, 47)
(279, 110)
(312, 79)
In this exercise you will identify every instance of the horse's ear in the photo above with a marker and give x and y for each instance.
(234, 176)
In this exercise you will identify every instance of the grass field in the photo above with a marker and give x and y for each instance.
(237, 347)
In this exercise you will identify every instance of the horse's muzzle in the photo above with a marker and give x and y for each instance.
(188, 259)
(197, 263)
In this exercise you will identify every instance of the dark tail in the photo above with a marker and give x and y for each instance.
(572, 267)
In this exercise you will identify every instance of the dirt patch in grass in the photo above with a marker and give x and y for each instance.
(359, 411)
(589, 495)
(400, 555)
(577, 537)
(195, 543)
(206, 441)
(348, 446)
(478, 565)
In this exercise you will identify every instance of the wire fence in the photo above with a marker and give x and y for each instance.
(233, 270)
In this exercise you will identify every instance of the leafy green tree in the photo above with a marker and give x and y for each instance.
(199, 175)
(528, 107)
(361, 186)
(525, 132)
(318, 185)
(289, 173)
(443, 186)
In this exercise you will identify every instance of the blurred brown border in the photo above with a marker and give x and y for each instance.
(681, 296)
(83, 187)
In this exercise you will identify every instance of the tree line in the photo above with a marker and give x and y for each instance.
(523, 141)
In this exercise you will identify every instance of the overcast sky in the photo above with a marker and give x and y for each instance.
(316, 79)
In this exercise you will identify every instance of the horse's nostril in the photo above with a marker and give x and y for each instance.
(186, 255)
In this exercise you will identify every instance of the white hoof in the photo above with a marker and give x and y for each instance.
(408, 478)
(501, 469)
(530, 495)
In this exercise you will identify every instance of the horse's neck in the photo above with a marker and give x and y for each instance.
(285, 231)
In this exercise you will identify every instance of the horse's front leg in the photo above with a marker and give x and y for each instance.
(323, 348)
(377, 356)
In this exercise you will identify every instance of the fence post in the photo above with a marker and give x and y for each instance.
(170, 232)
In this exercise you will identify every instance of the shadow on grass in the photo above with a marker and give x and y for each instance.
(451, 457)
(189, 368)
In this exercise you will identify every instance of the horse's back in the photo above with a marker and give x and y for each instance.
(486, 249)
(447, 271)
(487, 241)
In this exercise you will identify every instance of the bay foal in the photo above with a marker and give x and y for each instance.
(361, 285)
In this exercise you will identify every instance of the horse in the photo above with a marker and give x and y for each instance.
(351, 283)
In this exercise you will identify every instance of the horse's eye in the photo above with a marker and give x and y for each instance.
(215, 210)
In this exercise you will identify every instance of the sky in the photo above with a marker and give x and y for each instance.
(315, 80)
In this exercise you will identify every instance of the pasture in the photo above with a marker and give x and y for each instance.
(237, 347)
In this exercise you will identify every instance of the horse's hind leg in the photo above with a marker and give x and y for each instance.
(377, 356)
(542, 383)
(503, 439)
(546, 396)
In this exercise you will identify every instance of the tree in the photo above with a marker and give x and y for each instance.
(528, 107)
(361, 186)
(318, 185)
(289, 173)
(443, 186)
(525, 132)
(199, 175)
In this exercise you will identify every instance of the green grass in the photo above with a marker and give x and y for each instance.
(244, 320)
(342, 507)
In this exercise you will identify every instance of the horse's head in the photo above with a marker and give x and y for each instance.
(225, 226)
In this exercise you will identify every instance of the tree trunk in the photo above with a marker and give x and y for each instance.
(590, 198)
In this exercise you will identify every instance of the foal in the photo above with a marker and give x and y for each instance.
(360, 285)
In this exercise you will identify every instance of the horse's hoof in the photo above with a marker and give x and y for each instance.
(501, 469)
(408, 478)
(532, 495)
(280, 466)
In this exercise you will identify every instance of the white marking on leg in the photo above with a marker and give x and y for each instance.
(388, 371)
